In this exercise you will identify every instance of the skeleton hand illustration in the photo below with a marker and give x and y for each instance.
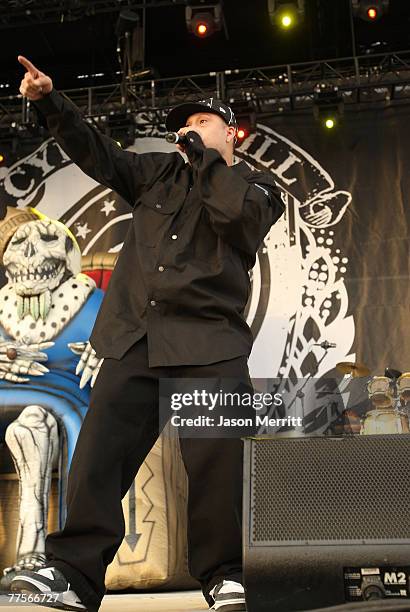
(17, 358)
(89, 362)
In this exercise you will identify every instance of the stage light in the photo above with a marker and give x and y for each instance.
(120, 126)
(202, 29)
(1, 158)
(203, 24)
(127, 21)
(204, 19)
(129, 30)
(287, 21)
(370, 10)
(328, 106)
(286, 14)
(245, 118)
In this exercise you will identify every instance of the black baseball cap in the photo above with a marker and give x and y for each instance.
(177, 117)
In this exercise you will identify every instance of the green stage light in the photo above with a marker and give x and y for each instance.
(287, 21)
(328, 106)
(285, 14)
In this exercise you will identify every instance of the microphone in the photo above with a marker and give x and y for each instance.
(175, 138)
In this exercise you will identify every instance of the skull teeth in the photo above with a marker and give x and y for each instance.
(44, 273)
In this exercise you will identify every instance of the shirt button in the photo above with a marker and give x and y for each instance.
(158, 205)
(153, 303)
(174, 236)
(161, 268)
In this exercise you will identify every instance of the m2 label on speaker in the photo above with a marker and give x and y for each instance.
(367, 583)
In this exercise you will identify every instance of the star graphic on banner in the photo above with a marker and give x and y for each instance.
(108, 207)
(82, 230)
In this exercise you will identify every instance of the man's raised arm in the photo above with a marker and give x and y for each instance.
(100, 157)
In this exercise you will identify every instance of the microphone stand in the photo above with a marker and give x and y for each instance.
(299, 394)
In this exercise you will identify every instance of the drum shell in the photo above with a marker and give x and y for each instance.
(380, 391)
(403, 387)
(385, 422)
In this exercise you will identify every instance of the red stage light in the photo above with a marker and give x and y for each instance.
(202, 24)
(370, 10)
(202, 29)
(241, 134)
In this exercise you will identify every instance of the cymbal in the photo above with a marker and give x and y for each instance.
(355, 369)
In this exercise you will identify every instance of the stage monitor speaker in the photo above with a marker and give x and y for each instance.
(326, 520)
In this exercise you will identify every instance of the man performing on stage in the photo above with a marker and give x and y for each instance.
(174, 308)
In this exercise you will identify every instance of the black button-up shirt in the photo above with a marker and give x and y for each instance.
(182, 274)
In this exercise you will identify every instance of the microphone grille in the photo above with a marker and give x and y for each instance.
(171, 137)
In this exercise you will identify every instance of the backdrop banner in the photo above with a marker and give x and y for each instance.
(336, 265)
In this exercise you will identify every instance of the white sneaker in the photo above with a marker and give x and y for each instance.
(51, 587)
(229, 596)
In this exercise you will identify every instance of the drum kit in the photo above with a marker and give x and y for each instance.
(389, 398)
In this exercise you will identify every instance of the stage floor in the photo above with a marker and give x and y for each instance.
(180, 601)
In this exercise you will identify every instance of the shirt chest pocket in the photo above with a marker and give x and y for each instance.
(153, 215)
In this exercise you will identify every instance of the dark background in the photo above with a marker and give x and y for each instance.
(88, 45)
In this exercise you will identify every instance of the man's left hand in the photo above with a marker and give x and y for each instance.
(193, 147)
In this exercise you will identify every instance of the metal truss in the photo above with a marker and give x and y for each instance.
(371, 79)
(18, 13)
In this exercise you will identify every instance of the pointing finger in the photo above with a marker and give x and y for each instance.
(28, 65)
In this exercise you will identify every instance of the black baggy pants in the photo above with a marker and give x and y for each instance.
(118, 431)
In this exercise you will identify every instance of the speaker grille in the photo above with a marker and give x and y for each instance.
(324, 490)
